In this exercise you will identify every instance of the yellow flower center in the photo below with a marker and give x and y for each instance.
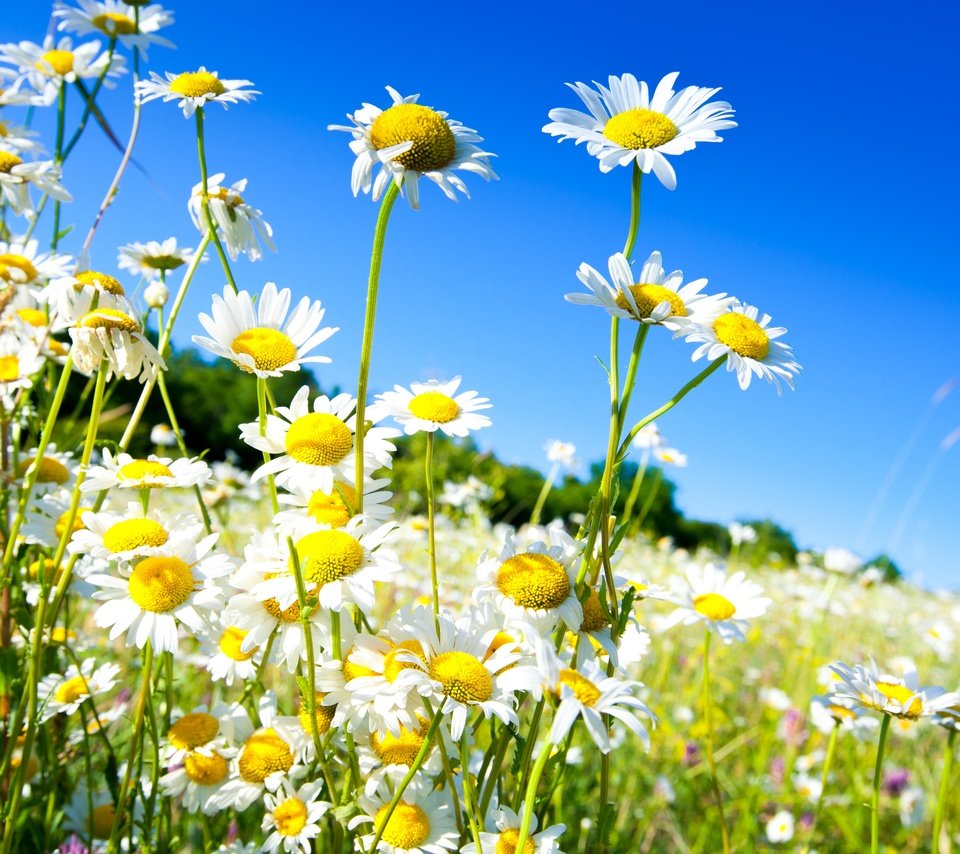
(197, 84)
(49, 470)
(507, 843)
(462, 676)
(901, 694)
(352, 670)
(161, 262)
(46, 566)
(193, 730)
(9, 369)
(399, 749)
(61, 524)
(71, 690)
(742, 335)
(8, 161)
(640, 128)
(434, 406)
(62, 635)
(229, 197)
(61, 61)
(290, 817)
(9, 263)
(593, 617)
(205, 770)
(434, 145)
(142, 469)
(648, 297)
(290, 614)
(263, 754)
(323, 714)
(327, 556)
(318, 439)
(270, 348)
(331, 509)
(101, 281)
(109, 318)
(393, 663)
(131, 534)
(161, 584)
(713, 606)
(31, 316)
(101, 822)
(114, 23)
(408, 827)
(231, 642)
(534, 581)
(583, 689)
(839, 713)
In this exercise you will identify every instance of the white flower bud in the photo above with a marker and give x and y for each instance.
(156, 295)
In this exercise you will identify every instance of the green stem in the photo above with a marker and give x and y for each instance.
(89, 100)
(632, 367)
(875, 801)
(205, 202)
(634, 491)
(942, 796)
(370, 317)
(531, 796)
(544, 492)
(58, 158)
(708, 717)
(636, 184)
(262, 406)
(648, 504)
(827, 762)
(431, 528)
(469, 795)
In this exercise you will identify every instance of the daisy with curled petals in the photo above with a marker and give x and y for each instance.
(421, 823)
(293, 817)
(502, 828)
(588, 693)
(117, 19)
(724, 603)
(316, 447)
(73, 295)
(62, 694)
(829, 711)
(125, 472)
(153, 260)
(740, 333)
(657, 298)
(21, 263)
(113, 338)
(221, 646)
(432, 406)
(242, 226)
(899, 697)
(149, 598)
(16, 176)
(626, 124)
(535, 585)
(410, 141)
(264, 341)
(193, 90)
(133, 533)
(335, 508)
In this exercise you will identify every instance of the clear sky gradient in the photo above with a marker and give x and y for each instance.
(833, 207)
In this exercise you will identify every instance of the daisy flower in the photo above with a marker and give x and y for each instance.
(152, 260)
(293, 816)
(670, 457)
(151, 597)
(657, 299)
(411, 141)
(202, 729)
(900, 697)
(725, 603)
(11, 94)
(97, 824)
(22, 264)
(431, 406)
(19, 138)
(221, 647)
(117, 19)
(625, 124)
(264, 341)
(335, 508)
(828, 711)
(16, 176)
(20, 361)
(73, 295)
(54, 470)
(133, 533)
(316, 447)
(501, 831)
(193, 90)
(300, 725)
(113, 336)
(739, 332)
(62, 694)
(199, 778)
(536, 585)
(125, 472)
(46, 519)
(241, 225)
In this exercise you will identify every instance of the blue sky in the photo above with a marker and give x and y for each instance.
(832, 207)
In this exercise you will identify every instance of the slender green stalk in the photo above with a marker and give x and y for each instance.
(89, 100)
(205, 202)
(370, 317)
(635, 490)
(58, 158)
(431, 527)
(262, 406)
(875, 801)
(527, 817)
(636, 185)
(827, 762)
(648, 504)
(942, 796)
(544, 492)
(632, 367)
(711, 762)
(469, 795)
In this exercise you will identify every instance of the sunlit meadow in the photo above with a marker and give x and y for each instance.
(197, 656)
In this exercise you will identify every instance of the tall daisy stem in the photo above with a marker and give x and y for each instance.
(370, 317)
(531, 795)
(942, 796)
(205, 202)
(431, 527)
(469, 795)
(708, 719)
(544, 492)
(875, 801)
(827, 762)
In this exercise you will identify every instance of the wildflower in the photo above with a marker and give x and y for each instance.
(781, 827)
(501, 831)
(22, 264)
(112, 336)
(115, 18)
(564, 453)
(16, 176)
(125, 472)
(154, 259)
(62, 694)
(431, 406)
(900, 697)
(131, 534)
(293, 817)
(226, 660)
(335, 508)
(242, 226)
(193, 90)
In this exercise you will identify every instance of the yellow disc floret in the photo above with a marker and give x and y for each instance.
(290, 817)
(143, 470)
(263, 754)
(462, 676)
(130, 534)
(334, 508)
(193, 730)
(507, 843)
(290, 614)
(583, 689)
(593, 617)
(270, 349)
(77, 525)
(109, 318)
(397, 659)
(323, 714)
(640, 128)
(205, 770)
(901, 695)
(327, 556)
(71, 690)
(534, 580)
(714, 606)
(399, 749)
(60, 61)
(408, 827)
(162, 262)
(161, 584)
(9, 368)
(434, 406)
(197, 84)
(434, 146)
(93, 279)
(318, 439)
(352, 670)
(25, 272)
(648, 297)
(114, 24)
(8, 161)
(742, 335)
(231, 644)
(49, 470)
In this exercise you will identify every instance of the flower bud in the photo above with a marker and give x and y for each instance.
(156, 295)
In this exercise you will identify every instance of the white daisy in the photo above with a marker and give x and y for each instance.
(203, 729)
(193, 90)
(264, 341)
(199, 778)
(502, 827)
(132, 27)
(20, 361)
(409, 140)
(46, 519)
(317, 448)
(221, 647)
(70, 297)
(242, 226)
(132, 533)
(125, 472)
(828, 711)
(293, 817)
(432, 406)
(153, 259)
(115, 337)
(16, 176)
(725, 603)
(750, 344)
(654, 298)
(22, 264)
(18, 138)
(54, 470)
(335, 508)
(900, 697)
(97, 824)
(11, 93)
(62, 694)
(625, 124)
